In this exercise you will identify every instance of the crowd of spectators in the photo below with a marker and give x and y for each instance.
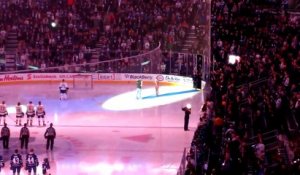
(57, 33)
(257, 95)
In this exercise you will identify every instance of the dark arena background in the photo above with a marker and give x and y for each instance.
(154, 87)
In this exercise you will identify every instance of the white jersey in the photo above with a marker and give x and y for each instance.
(3, 110)
(40, 110)
(30, 109)
(19, 111)
(63, 86)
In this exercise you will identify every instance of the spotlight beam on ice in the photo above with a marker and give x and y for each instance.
(168, 94)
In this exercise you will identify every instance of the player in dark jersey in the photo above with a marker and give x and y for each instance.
(1, 163)
(16, 162)
(31, 162)
(45, 166)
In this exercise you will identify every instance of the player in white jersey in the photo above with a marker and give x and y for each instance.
(63, 89)
(19, 114)
(40, 113)
(30, 113)
(3, 112)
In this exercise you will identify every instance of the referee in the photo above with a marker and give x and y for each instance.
(50, 135)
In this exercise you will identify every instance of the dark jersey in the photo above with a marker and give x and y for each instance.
(16, 160)
(31, 160)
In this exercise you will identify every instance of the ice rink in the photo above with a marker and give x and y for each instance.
(106, 130)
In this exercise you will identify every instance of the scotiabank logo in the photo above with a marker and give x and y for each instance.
(160, 78)
(29, 76)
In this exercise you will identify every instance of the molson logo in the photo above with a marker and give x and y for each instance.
(11, 78)
(160, 78)
(137, 77)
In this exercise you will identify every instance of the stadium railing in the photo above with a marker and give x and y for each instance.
(154, 61)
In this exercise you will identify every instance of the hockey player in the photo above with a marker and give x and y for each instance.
(3, 112)
(30, 113)
(1, 163)
(31, 162)
(63, 88)
(45, 166)
(19, 114)
(40, 113)
(16, 162)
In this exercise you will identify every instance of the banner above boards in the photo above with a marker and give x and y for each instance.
(39, 77)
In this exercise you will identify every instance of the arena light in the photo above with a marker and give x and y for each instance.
(33, 67)
(168, 94)
(53, 24)
(232, 59)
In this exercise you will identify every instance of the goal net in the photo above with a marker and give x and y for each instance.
(82, 82)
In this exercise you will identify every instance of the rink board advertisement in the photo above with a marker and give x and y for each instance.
(96, 77)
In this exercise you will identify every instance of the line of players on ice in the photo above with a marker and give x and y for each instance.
(31, 111)
(31, 163)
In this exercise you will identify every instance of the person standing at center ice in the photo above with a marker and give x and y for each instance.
(63, 89)
(139, 85)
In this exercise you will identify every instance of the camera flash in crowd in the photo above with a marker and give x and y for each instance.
(53, 24)
(189, 106)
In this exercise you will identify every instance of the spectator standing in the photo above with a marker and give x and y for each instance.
(50, 135)
(24, 137)
(5, 135)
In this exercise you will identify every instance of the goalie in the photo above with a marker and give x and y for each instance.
(63, 88)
